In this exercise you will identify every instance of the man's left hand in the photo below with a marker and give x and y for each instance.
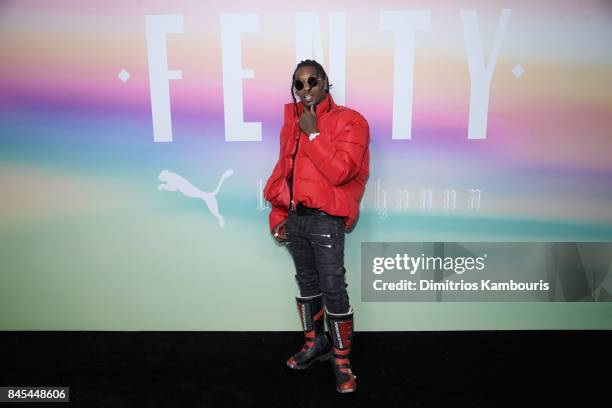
(308, 120)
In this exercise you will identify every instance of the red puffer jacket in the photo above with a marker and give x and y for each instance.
(330, 172)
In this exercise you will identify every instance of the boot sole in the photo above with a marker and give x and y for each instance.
(346, 391)
(323, 357)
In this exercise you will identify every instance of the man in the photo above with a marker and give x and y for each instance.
(315, 190)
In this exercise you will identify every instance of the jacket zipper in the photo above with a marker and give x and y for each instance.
(291, 195)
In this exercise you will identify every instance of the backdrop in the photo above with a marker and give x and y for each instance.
(136, 137)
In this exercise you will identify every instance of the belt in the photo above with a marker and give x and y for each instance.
(301, 210)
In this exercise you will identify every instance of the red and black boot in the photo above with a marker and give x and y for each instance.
(316, 347)
(341, 332)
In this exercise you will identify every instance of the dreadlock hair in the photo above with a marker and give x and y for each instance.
(320, 73)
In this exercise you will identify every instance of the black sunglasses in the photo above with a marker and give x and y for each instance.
(312, 82)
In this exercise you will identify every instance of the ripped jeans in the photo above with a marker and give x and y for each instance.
(316, 244)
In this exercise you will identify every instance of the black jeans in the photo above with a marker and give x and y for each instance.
(316, 244)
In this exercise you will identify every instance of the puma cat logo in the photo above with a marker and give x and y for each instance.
(172, 182)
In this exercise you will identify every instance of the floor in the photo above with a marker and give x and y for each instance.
(247, 369)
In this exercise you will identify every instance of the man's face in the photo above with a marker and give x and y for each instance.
(310, 96)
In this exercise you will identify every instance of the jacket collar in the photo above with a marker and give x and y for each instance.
(328, 101)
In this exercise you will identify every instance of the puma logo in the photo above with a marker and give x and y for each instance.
(172, 182)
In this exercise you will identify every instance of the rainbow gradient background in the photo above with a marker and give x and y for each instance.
(87, 242)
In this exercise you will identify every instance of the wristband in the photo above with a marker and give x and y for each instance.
(312, 136)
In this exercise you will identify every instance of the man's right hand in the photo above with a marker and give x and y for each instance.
(279, 232)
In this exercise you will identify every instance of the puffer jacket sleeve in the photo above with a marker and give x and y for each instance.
(339, 157)
(277, 214)
(276, 174)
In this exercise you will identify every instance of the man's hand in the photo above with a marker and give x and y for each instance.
(279, 232)
(308, 120)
